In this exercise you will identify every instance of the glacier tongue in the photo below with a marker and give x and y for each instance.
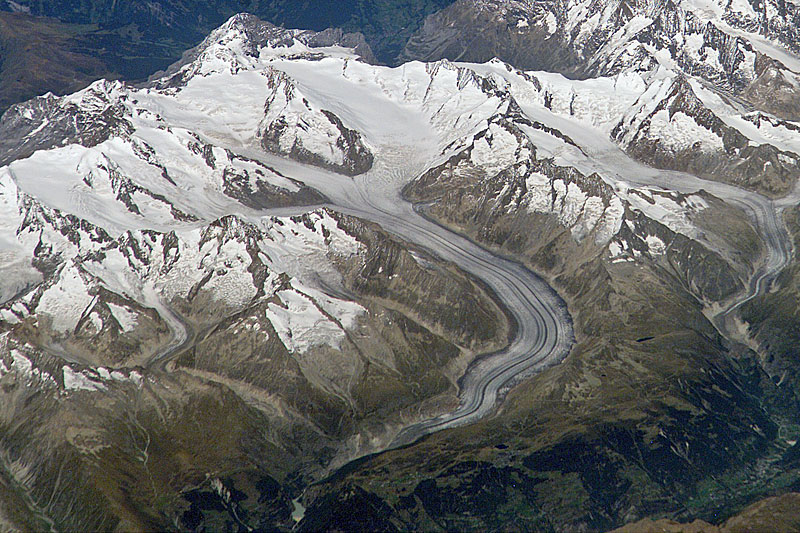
(139, 201)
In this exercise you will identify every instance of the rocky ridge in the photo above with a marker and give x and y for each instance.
(335, 331)
(720, 47)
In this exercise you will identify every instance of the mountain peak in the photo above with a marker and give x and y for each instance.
(239, 43)
(203, 268)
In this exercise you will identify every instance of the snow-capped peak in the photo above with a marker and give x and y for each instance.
(244, 40)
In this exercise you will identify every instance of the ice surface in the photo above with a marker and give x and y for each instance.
(125, 317)
(76, 381)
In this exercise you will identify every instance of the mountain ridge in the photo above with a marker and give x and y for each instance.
(284, 303)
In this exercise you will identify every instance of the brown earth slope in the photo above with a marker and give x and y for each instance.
(41, 55)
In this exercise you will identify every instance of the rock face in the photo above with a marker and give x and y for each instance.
(136, 311)
(773, 90)
(63, 47)
(48, 121)
(721, 45)
(295, 128)
(506, 33)
(183, 325)
(681, 133)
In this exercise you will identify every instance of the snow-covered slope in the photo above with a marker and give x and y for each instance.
(129, 237)
(179, 153)
(183, 222)
(747, 49)
(112, 287)
(298, 129)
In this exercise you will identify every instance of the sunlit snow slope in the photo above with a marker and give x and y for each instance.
(118, 202)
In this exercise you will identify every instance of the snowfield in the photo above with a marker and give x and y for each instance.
(154, 210)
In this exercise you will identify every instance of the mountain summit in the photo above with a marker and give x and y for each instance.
(736, 47)
(544, 278)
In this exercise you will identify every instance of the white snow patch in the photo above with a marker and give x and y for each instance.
(21, 365)
(667, 210)
(540, 199)
(75, 381)
(96, 321)
(655, 245)
(65, 301)
(681, 131)
(126, 318)
(8, 317)
(301, 324)
(551, 23)
(496, 150)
